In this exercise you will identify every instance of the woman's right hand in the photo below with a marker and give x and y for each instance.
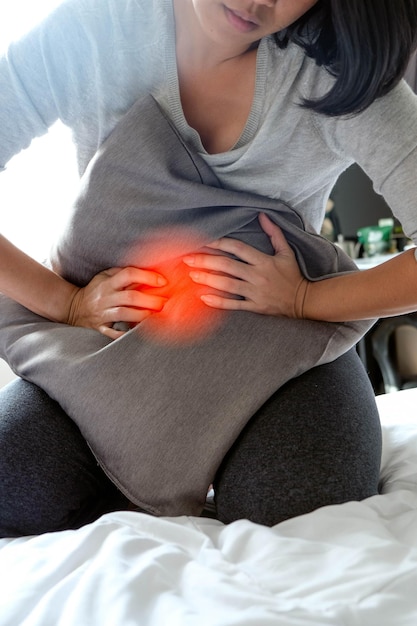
(116, 295)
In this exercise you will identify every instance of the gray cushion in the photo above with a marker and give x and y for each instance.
(160, 407)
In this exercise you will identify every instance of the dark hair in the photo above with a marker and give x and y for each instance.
(364, 44)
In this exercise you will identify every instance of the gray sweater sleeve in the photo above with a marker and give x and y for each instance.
(83, 65)
(37, 78)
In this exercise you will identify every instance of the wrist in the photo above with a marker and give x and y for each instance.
(300, 298)
(74, 306)
(59, 297)
(34, 285)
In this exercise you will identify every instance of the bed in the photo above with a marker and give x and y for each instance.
(349, 565)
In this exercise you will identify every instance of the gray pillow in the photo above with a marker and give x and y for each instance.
(162, 405)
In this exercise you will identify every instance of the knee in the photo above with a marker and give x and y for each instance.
(270, 500)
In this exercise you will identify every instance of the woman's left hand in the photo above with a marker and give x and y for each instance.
(265, 284)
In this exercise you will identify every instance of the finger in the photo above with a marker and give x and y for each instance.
(128, 276)
(274, 232)
(110, 332)
(217, 263)
(227, 304)
(124, 314)
(111, 271)
(129, 317)
(136, 299)
(220, 283)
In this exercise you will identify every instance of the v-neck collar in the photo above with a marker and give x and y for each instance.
(174, 100)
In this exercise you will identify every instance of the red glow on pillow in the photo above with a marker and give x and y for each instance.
(184, 318)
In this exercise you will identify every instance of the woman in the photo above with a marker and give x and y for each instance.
(278, 97)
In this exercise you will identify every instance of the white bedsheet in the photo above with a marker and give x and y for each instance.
(349, 565)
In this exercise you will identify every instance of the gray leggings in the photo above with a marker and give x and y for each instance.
(317, 441)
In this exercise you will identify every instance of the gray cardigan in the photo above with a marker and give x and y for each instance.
(92, 59)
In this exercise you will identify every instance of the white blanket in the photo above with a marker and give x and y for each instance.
(349, 565)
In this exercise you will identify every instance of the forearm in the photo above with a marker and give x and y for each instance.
(383, 291)
(34, 286)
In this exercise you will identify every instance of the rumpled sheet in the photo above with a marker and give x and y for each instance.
(353, 564)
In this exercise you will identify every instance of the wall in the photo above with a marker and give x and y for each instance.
(356, 202)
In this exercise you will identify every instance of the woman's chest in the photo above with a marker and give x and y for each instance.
(217, 103)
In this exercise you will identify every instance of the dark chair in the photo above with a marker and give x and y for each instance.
(385, 354)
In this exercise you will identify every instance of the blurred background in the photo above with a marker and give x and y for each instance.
(39, 184)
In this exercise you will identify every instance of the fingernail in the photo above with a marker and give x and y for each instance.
(160, 280)
(189, 260)
(194, 275)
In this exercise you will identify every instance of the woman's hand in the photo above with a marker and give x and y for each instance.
(115, 296)
(270, 285)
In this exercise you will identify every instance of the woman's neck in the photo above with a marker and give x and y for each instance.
(216, 83)
(195, 48)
